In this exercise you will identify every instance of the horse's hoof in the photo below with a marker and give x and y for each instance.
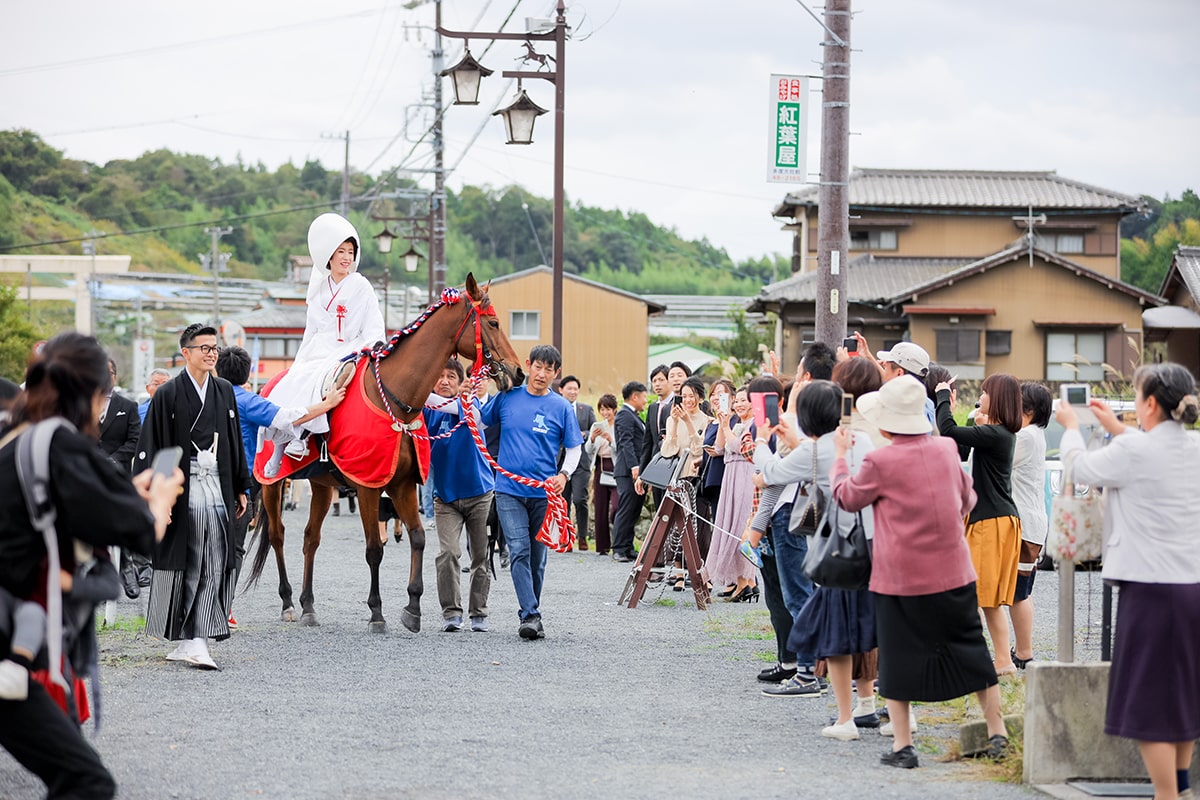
(288, 615)
(309, 619)
(410, 620)
(377, 626)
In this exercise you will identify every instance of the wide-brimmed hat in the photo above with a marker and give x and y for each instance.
(898, 407)
(911, 358)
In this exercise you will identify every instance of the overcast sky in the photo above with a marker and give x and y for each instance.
(666, 99)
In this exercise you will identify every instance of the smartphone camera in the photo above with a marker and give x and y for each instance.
(851, 345)
(847, 407)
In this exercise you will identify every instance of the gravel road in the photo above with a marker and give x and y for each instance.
(614, 703)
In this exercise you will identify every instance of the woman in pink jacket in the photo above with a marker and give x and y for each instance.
(931, 645)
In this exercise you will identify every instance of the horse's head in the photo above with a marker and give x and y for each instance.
(502, 360)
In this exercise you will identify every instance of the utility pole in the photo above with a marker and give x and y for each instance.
(345, 202)
(216, 260)
(833, 232)
(437, 234)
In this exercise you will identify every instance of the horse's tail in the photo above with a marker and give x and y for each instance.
(261, 523)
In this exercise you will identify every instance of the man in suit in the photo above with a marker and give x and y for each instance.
(120, 427)
(577, 487)
(629, 431)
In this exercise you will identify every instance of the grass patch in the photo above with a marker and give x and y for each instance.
(124, 624)
(665, 601)
(966, 709)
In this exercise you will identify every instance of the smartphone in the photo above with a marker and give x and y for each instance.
(723, 403)
(851, 345)
(758, 409)
(166, 460)
(847, 407)
(1076, 394)
(771, 407)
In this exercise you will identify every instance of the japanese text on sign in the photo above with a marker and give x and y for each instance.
(787, 129)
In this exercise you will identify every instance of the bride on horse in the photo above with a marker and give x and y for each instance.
(343, 317)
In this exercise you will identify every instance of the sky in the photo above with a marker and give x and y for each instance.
(666, 100)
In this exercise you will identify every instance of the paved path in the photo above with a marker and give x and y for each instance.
(658, 701)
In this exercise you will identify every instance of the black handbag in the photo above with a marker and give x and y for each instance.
(836, 560)
(660, 471)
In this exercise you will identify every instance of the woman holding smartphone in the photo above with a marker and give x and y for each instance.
(598, 447)
(685, 437)
(735, 444)
(1150, 552)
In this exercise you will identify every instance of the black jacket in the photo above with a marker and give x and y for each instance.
(628, 433)
(120, 430)
(168, 423)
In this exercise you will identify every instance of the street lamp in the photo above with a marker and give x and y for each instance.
(465, 75)
(519, 117)
(411, 259)
(384, 239)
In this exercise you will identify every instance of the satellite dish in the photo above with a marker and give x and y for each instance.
(232, 333)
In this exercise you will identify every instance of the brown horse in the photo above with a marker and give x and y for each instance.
(408, 374)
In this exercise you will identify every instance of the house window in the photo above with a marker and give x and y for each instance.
(278, 347)
(957, 345)
(1068, 243)
(873, 240)
(1075, 356)
(525, 325)
(998, 343)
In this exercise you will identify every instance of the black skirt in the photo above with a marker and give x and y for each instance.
(1153, 691)
(931, 647)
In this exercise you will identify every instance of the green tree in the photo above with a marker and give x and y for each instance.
(17, 336)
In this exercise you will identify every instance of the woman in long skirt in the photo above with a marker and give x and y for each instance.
(1151, 552)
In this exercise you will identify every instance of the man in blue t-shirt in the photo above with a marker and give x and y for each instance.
(534, 424)
(462, 497)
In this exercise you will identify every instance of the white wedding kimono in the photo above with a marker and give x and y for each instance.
(342, 319)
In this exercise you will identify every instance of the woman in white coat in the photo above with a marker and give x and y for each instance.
(343, 317)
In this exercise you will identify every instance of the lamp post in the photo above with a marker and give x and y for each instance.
(410, 259)
(519, 116)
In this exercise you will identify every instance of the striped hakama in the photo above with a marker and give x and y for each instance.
(194, 602)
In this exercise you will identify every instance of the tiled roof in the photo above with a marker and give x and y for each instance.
(1187, 262)
(651, 306)
(274, 315)
(869, 279)
(935, 188)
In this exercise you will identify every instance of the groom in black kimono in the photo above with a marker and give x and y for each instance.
(192, 586)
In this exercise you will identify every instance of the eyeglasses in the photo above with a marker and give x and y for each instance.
(206, 349)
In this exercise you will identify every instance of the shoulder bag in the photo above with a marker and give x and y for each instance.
(838, 560)
(1076, 524)
(660, 471)
(805, 523)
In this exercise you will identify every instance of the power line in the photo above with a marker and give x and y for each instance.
(171, 48)
(177, 226)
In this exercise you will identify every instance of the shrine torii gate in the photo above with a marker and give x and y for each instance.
(82, 268)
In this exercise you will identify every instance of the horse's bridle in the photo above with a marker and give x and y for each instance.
(484, 359)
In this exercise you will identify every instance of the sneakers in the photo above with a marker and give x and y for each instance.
(904, 758)
(504, 560)
(796, 686)
(452, 625)
(479, 624)
(845, 732)
(750, 553)
(14, 681)
(531, 628)
(776, 674)
(886, 728)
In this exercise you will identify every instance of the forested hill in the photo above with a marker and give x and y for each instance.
(168, 197)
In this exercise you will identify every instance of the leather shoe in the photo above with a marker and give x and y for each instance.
(776, 674)
(904, 758)
(129, 581)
